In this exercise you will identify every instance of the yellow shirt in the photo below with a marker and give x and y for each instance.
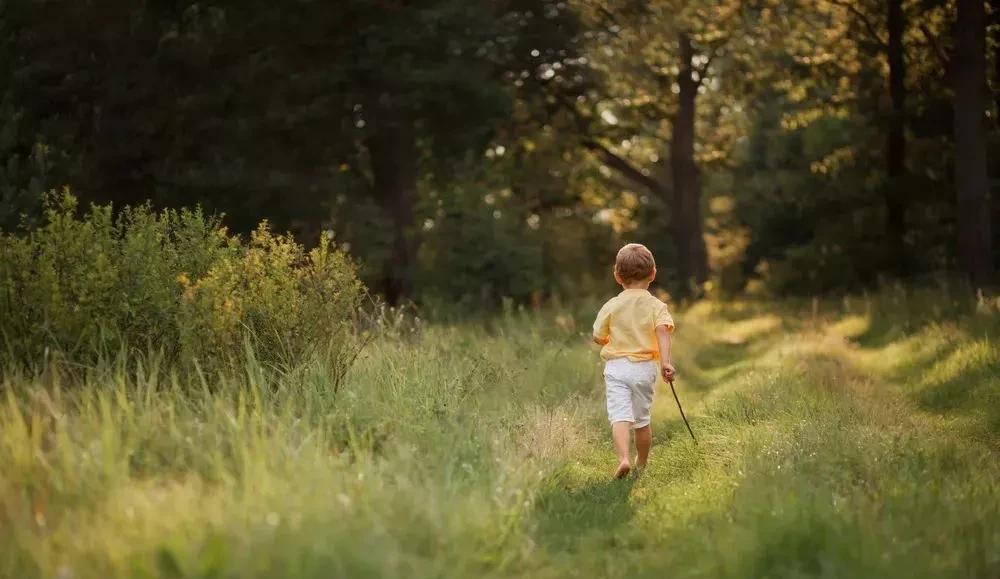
(628, 322)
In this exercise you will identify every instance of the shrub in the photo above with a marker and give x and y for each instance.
(287, 302)
(475, 253)
(173, 280)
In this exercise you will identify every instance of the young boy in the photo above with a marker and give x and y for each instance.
(634, 327)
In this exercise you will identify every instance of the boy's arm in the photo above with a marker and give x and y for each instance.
(663, 341)
(602, 326)
(664, 326)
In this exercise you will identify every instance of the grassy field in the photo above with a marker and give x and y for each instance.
(837, 440)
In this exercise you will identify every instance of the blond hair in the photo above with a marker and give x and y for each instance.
(634, 263)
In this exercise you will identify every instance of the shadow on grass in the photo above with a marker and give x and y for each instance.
(958, 375)
(738, 311)
(972, 389)
(883, 331)
(565, 515)
(672, 429)
(732, 346)
(721, 355)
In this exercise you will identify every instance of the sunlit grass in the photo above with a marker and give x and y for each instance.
(832, 441)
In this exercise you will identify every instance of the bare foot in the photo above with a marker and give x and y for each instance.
(623, 469)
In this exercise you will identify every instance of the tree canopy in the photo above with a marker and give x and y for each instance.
(470, 152)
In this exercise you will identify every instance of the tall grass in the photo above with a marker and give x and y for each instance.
(843, 440)
(423, 463)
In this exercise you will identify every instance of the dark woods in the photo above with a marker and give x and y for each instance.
(471, 151)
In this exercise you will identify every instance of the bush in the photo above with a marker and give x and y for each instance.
(172, 280)
(476, 253)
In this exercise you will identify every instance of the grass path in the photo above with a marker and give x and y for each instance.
(816, 458)
(834, 444)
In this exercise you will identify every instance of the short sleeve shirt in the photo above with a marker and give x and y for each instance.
(628, 321)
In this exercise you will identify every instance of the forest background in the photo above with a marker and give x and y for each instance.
(467, 152)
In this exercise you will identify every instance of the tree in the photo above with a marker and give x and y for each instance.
(971, 175)
(687, 227)
(268, 110)
(895, 205)
(433, 84)
(657, 60)
(895, 132)
(808, 143)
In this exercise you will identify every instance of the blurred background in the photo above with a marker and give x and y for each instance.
(467, 152)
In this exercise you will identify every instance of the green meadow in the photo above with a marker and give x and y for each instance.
(856, 438)
(306, 290)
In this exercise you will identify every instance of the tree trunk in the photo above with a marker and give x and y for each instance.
(995, 12)
(686, 210)
(971, 173)
(895, 201)
(394, 166)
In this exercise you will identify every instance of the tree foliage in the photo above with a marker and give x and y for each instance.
(455, 147)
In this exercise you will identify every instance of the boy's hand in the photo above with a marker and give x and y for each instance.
(667, 370)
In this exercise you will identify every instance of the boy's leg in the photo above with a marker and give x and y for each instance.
(619, 415)
(643, 440)
(620, 437)
(642, 404)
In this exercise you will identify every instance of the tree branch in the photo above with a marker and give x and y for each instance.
(703, 70)
(610, 158)
(849, 5)
(609, 17)
(620, 164)
(942, 56)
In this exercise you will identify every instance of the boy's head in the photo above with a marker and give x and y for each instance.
(634, 264)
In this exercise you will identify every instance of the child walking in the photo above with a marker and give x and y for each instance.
(634, 329)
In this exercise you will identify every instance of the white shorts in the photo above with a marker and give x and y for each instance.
(629, 387)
